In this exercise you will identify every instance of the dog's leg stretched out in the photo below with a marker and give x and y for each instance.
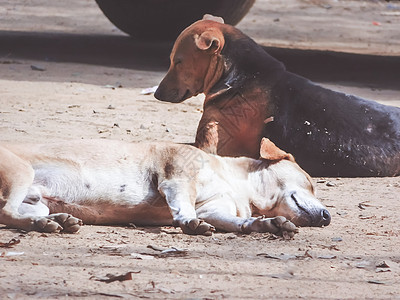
(222, 214)
(20, 203)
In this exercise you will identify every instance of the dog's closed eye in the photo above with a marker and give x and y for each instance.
(177, 62)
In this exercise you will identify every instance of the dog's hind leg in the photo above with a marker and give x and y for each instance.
(181, 198)
(17, 201)
(33, 206)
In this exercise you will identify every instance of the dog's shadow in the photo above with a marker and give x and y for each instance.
(122, 51)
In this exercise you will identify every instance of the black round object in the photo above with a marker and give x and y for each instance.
(165, 19)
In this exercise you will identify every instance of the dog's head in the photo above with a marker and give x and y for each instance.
(195, 61)
(287, 190)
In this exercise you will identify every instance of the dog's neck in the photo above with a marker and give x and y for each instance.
(232, 71)
(266, 190)
(252, 172)
(214, 73)
(228, 79)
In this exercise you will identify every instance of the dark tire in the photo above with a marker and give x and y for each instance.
(165, 19)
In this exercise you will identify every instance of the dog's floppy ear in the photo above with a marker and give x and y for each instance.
(209, 40)
(213, 18)
(269, 151)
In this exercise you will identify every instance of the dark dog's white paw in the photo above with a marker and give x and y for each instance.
(195, 226)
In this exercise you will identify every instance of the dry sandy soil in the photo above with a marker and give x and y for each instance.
(67, 73)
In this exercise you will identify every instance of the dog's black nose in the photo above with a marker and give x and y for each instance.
(325, 218)
(157, 94)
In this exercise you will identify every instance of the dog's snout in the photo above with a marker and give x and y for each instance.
(161, 93)
(325, 218)
(171, 95)
(315, 218)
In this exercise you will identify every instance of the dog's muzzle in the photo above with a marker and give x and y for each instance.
(324, 220)
(170, 95)
(319, 218)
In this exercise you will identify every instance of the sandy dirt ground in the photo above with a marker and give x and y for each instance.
(67, 73)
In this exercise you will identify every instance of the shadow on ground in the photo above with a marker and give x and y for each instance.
(125, 52)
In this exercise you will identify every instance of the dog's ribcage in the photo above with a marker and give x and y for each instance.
(83, 182)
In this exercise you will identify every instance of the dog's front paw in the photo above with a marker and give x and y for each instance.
(278, 225)
(285, 228)
(69, 223)
(196, 226)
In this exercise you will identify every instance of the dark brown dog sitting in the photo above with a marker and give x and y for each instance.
(251, 95)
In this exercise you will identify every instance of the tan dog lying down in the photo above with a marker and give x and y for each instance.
(112, 182)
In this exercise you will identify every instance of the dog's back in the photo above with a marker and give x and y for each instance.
(330, 133)
(347, 135)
